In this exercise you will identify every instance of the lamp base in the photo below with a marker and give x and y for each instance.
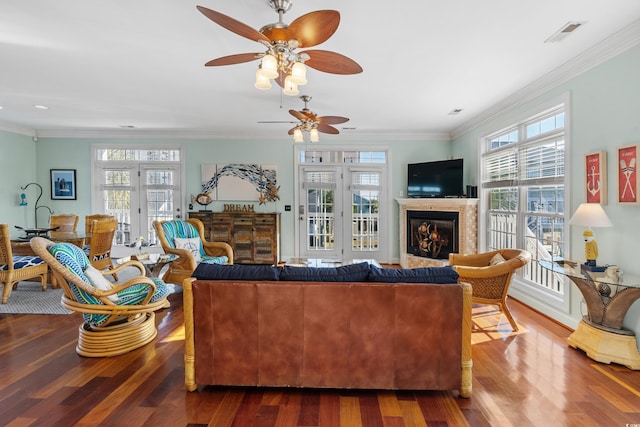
(592, 268)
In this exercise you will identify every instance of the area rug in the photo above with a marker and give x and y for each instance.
(28, 298)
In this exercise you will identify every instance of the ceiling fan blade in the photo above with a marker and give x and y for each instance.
(280, 79)
(314, 27)
(327, 129)
(331, 120)
(233, 59)
(233, 25)
(298, 115)
(275, 121)
(291, 131)
(331, 62)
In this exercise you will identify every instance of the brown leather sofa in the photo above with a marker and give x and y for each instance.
(328, 334)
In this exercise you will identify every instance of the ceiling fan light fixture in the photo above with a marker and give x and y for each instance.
(314, 136)
(269, 66)
(297, 135)
(290, 88)
(262, 81)
(299, 74)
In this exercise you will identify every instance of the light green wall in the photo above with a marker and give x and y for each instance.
(17, 163)
(605, 114)
(72, 153)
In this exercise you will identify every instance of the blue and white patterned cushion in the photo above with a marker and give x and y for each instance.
(182, 229)
(74, 259)
(22, 261)
(214, 259)
(186, 230)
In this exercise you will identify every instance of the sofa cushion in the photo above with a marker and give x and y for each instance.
(236, 272)
(346, 273)
(413, 275)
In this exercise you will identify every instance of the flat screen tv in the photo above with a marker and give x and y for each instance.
(435, 179)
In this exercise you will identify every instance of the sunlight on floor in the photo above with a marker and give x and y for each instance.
(490, 324)
(176, 335)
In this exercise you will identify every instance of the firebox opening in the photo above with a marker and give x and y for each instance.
(432, 234)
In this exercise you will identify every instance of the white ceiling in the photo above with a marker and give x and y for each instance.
(100, 65)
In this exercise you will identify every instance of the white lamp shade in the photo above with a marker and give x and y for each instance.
(262, 82)
(590, 215)
(297, 136)
(299, 74)
(313, 135)
(270, 66)
(290, 88)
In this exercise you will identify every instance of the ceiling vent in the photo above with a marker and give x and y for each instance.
(563, 32)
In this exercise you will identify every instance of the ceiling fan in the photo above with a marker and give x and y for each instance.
(281, 60)
(311, 124)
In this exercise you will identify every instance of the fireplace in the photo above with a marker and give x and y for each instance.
(432, 234)
(466, 228)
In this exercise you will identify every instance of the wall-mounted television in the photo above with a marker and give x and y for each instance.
(435, 179)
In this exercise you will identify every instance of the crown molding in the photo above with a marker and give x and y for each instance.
(602, 52)
(7, 127)
(349, 135)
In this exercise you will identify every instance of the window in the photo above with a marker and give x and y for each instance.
(523, 180)
(137, 186)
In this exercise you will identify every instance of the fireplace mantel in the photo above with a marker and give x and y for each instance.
(468, 227)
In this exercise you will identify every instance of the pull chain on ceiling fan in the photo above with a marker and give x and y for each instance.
(281, 61)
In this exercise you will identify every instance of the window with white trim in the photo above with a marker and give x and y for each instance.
(137, 185)
(523, 180)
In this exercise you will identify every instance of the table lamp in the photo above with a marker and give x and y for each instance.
(590, 215)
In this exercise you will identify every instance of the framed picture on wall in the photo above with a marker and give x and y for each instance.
(63, 184)
(596, 177)
(628, 181)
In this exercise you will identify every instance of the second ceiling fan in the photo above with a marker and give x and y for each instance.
(282, 61)
(312, 124)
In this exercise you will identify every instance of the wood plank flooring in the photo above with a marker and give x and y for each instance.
(529, 378)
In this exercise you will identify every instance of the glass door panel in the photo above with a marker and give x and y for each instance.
(364, 193)
(137, 195)
(317, 213)
(161, 187)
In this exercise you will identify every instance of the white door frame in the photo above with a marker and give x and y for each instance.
(385, 221)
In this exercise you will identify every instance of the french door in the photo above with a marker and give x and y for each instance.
(340, 210)
(138, 194)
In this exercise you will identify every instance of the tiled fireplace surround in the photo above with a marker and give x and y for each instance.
(467, 210)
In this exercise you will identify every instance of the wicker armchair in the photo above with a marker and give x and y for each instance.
(490, 283)
(64, 222)
(88, 222)
(14, 269)
(118, 317)
(102, 232)
(183, 267)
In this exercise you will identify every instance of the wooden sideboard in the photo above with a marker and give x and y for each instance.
(254, 237)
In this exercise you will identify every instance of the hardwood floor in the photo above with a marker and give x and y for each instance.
(529, 378)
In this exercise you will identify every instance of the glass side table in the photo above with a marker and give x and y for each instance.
(153, 264)
(608, 297)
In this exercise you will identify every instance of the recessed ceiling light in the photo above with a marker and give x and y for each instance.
(41, 107)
